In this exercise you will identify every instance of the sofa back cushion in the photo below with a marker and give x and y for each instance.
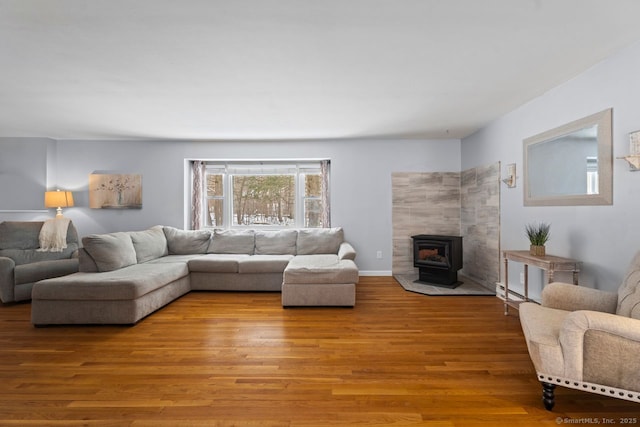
(319, 240)
(187, 242)
(149, 244)
(110, 251)
(281, 242)
(86, 264)
(20, 240)
(629, 291)
(26, 234)
(20, 234)
(232, 242)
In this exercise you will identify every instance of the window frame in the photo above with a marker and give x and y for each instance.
(228, 169)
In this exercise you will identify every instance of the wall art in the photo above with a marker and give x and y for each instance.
(115, 191)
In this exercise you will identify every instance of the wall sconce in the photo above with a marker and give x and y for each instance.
(58, 199)
(634, 151)
(510, 180)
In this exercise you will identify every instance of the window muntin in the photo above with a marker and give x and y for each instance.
(263, 195)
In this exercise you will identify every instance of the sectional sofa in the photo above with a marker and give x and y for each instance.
(125, 276)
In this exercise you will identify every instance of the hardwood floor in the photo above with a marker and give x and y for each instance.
(217, 359)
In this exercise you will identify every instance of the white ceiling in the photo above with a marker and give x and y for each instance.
(290, 69)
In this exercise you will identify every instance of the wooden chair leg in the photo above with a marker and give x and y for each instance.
(548, 397)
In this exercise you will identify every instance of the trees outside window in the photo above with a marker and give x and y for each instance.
(313, 200)
(214, 200)
(264, 200)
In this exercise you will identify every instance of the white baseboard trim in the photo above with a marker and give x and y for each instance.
(375, 273)
(513, 296)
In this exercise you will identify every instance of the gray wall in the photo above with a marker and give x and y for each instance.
(23, 172)
(360, 181)
(604, 237)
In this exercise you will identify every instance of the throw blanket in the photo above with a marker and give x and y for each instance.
(53, 235)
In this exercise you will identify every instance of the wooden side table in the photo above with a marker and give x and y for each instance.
(548, 263)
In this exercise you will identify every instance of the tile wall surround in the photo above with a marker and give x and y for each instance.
(451, 203)
(480, 223)
(423, 203)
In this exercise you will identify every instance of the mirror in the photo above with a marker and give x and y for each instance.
(570, 165)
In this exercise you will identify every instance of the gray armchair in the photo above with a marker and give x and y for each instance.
(586, 339)
(22, 265)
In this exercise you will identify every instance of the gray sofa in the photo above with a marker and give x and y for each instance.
(22, 264)
(125, 276)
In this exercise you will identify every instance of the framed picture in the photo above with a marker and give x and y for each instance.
(115, 191)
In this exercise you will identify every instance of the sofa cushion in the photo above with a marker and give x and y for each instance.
(126, 283)
(20, 234)
(20, 240)
(185, 242)
(110, 251)
(175, 258)
(319, 240)
(26, 234)
(149, 244)
(264, 264)
(280, 242)
(216, 263)
(319, 269)
(232, 242)
(85, 262)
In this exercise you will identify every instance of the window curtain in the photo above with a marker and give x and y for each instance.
(197, 172)
(325, 218)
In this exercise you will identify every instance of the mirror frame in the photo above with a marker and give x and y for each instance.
(605, 163)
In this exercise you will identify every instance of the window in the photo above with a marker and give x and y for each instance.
(263, 194)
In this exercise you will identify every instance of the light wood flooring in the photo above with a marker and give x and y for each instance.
(222, 359)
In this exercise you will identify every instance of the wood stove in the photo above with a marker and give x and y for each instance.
(438, 259)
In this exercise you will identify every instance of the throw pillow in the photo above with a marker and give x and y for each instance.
(110, 251)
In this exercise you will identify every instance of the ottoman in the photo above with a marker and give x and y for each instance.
(319, 280)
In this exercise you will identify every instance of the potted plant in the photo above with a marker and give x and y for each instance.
(538, 235)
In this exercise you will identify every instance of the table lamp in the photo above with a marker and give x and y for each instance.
(58, 199)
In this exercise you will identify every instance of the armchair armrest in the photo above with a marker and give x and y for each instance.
(346, 251)
(7, 267)
(608, 342)
(564, 296)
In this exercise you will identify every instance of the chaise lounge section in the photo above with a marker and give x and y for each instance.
(126, 276)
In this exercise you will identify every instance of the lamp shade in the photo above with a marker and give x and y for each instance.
(58, 199)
